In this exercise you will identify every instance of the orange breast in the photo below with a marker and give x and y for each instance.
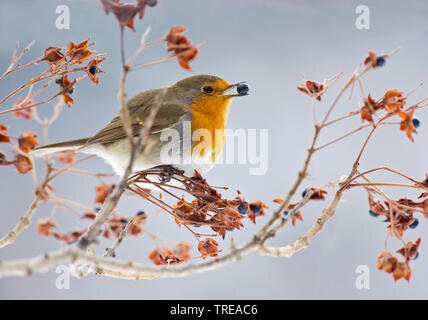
(210, 115)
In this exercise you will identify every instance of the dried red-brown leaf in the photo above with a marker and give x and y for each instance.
(89, 215)
(176, 41)
(312, 88)
(23, 164)
(297, 216)
(375, 205)
(423, 195)
(256, 209)
(208, 247)
(374, 60)
(181, 46)
(400, 219)
(423, 204)
(4, 161)
(53, 56)
(66, 156)
(126, 12)
(371, 59)
(102, 191)
(71, 237)
(182, 208)
(66, 89)
(27, 141)
(171, 259)
(407, 202)
(406, 123)
(134, 228)
(79, 51)
(402, 270)
(92, 69)
(425, 184)
(186, 56)
(369, 109)
(226, 220)
(238, 202)
(45, 225)
(181, 250)
(393, 100)
(387, 262)
(159, 255)
(4, 135)
(317, 193)
(410, 249)
(20, 102)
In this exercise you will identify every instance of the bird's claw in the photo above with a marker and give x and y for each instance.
(168, 173)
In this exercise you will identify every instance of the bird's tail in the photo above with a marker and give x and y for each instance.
(59, 146)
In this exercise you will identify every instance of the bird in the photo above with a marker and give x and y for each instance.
(199, 104)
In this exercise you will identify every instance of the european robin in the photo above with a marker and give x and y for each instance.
(202, 102)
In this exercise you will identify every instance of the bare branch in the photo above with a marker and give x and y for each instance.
(304, 241)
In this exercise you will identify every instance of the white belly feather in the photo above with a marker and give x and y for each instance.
(117, 155)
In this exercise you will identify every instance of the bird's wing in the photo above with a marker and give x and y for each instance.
(139, 108)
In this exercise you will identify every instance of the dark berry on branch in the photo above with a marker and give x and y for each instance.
(373, 214)
(380, 61)
(255, 208)
(414, 224)
(416, 122)
(93, 70)
(243, 208)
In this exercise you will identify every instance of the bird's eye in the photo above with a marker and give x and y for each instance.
(207, 89)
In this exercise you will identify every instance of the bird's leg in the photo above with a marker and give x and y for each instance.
(168, 172)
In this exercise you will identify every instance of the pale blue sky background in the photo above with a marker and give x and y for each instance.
(271, 44)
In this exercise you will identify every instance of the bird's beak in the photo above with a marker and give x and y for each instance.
(242, 90)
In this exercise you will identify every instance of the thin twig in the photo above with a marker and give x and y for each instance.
(111, 252)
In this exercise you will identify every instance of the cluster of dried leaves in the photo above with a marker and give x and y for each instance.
(207, 208)
(400, 216)
(113, 225)
(317, 194)
(399, 269)
(313, 89)
(61, 65)
(21, 146)
(181, 46)
(76, 54)
(177, 43)
(180, 252)
(392, 103)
